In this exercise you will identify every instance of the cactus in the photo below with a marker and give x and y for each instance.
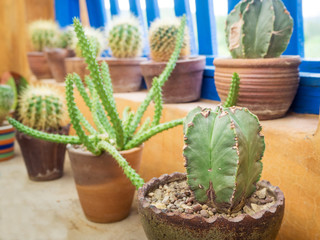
(43, 33)
(162, 37)
(258, 29)
(124, 37)
(65, 38)
(6, 101)
(41, 108)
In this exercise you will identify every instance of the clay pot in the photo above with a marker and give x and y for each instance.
(105, 193)
(157, 224)
(39, 65)
(76, 65)
(184, 84)
(267, 86)
(44, 160)
(6, 142)
(55, 58)
(125, 73)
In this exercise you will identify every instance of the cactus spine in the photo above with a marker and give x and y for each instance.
(6, 101)
(258, 29)
(124, 37)
(162, 38)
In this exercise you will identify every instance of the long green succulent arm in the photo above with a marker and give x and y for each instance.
(95, 113)
(82, 90)
(139, 139)
(233, 92)
(157, 102)
(95, 74)
(144, 127)
(131, 174)
(162, 78)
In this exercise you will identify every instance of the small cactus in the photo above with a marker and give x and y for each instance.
(43, 33)
(162, 38)
(258, 29)
(65, 38)
(124, 37)
(6, 101)
(41, 107)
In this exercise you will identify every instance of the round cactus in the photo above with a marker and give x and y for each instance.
(162, 38)
(6, 101)
(41, 107)
(65, 38)
(43, 33)
(124, 37)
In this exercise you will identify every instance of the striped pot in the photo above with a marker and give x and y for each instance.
(6, 142)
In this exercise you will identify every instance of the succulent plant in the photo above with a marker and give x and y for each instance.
(6, 101)
(43, 33)
(41, 107)
(124, 37)
(111, 133)
(162, 38)
(65, 38)
(258, 29)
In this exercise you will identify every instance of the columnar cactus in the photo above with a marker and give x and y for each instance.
(6, 101)
(41, 107)
(162, 38)
(124, 37)
(43, 33)
(258, 29)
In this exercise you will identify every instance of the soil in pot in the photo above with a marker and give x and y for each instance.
(6, 142)
(44, 160)
(184, 83)
(168, 210)
(105, 193)
(39, 65)
(77, 65)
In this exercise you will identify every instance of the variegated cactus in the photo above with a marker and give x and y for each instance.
(258, 29)
(6, 101)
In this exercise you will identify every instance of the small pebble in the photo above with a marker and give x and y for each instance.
(204, 213)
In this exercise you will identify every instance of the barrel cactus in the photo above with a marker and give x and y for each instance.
(41, 107)
(258, 29)
(124, 37)
(6, 101)
(162, 38)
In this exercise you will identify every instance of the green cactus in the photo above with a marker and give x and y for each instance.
(43, 33)
(124, 37)
(162, 38)
(258, 29)
(95, 38)
(111, 133)
(6, 101)
(65, 38)
(41, 108)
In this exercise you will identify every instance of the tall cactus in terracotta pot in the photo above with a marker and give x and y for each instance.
(257, 33)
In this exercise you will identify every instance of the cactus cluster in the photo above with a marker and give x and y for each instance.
(6, 101)
(124, 37)
(65, 38)
(162, 38)
(258, 29)
(41, 107)
(43, 33)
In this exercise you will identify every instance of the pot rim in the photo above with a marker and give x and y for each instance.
(165, 178)
(35, 53)
(190, 59)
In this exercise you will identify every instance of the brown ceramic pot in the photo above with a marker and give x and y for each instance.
(56, 57)
(76, 65)
(184, 84)
(44, 160)
(39, 65)
(158, 224)
(125, 73)
(105, 193)
(267, 86)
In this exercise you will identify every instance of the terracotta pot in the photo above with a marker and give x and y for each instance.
(105, 193)
(44, 160)
(6, 142)
(125, 73)
(158, 224)
(267, 86)
(184, 84)
(55, 58)
(39, 65)
(77, 65)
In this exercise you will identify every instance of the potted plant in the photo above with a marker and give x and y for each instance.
(184, 84)
(105, 193)
(6, 130)
(257, 33)
(41, 107)
(125, 42)
(42, 33)
(220, 196)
